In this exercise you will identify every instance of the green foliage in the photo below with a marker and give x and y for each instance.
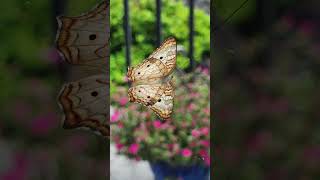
(23, 35)
(142, 20)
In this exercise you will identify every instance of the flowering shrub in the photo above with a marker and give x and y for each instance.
(139, 134)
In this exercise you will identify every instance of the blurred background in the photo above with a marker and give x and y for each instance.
(266, 85)
(33, 144)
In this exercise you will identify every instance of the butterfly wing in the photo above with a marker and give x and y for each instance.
(167, 54)
(159, 64)
(85, 103)
(158, 97)
(145, 94)
(164, 106)
(83, 40)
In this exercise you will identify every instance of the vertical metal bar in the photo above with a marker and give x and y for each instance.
(127, 32)
(58, 7)
(191, 35)
(158, 22)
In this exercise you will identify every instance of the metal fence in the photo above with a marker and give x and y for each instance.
(60, 4)
(127, 30)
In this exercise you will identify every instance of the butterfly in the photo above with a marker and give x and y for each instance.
(83, 42)
(151, 82)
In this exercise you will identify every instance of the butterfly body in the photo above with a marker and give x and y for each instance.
(150, 84)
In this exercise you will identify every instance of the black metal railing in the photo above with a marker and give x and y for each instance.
(127, 31)
(158, 27)
(58, 6)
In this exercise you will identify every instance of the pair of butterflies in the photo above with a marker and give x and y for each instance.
(83, 41)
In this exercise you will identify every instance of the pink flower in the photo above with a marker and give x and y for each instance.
(119, 146)
(166, 125)
(157, 124)
(203, 153)
(133, 149)
(186, 152)
(205, 156)
(205, 143)
(307, 27)
(174, 148)
(123, 101)
(195, 133)
(207, 111)
(205, 70)
(194, 95)
(18, 169)
(207, 160)
(191, 107)
(205, 120)
(205, 131)
(120, 125)
(42, 125)
(115, 116)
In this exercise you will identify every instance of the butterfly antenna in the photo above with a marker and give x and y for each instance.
(230, 16)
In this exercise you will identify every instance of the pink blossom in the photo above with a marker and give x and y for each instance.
(191, 107)
(207, 111)
(148, 123)
(115, 116)
(133, 149)
(205, 131)
(193, 123)
(166, 125)
(205, 71)
(207, 160)
(176, 148)
(186, 152)
(205, 156)
(195, 133)
(18, 170)
(119, 146)
(43, 124)
(203, 153)
(307, 27)
(205, 120)
(157, 124)
(170, 146)
(194, 95)
(120, 125)
(123, 101)
(205, 143)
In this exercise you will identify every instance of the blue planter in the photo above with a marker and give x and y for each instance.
(163, 170)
